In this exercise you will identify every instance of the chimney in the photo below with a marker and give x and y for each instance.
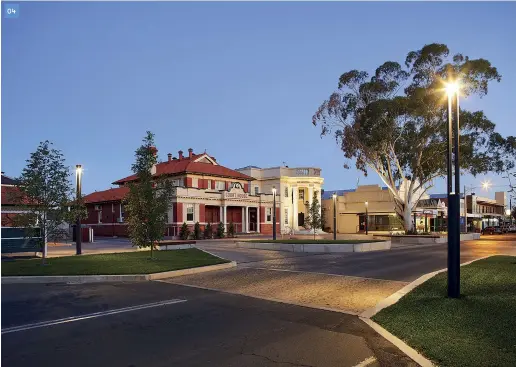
(190, 153)
(169, 155)
(180, 154)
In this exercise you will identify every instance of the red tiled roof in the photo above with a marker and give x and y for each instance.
(115, 194)
(11, 195)
(187, 165)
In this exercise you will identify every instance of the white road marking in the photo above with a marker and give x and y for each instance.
(36, 325)
(366, 362)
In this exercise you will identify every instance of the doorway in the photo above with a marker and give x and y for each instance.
(301, 219)
(253, 222)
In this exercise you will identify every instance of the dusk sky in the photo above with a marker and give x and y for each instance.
(239, 80)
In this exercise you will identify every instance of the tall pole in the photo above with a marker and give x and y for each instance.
(335, 217)
(366, 218)
(78, 234)
(453, 197)
(274, 213)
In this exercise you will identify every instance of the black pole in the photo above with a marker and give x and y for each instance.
(274, 215)
(335, 218)
(78, 234)
(453, 201)
(366, 220)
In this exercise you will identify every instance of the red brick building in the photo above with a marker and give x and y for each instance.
(204, 192)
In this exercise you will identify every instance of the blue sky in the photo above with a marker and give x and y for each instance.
(241, 80)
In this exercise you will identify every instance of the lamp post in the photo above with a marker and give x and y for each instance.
(78, 235)
(366, 217)
(453, 195)
(335, 216)
(274, 213)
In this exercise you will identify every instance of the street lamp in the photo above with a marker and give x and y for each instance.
(452, 90)
(274, 213)
(335, 216)
(78, 183)
(366, 217)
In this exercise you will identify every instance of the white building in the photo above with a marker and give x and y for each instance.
(295, 188)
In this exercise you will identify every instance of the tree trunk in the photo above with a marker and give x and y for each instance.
(45, 240)
(407, 218)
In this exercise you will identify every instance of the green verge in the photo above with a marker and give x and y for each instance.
(478, 329)
(314, 241)
(109, 264)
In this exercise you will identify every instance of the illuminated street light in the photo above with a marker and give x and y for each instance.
(274, 213)
(486, 185)
(453, 168)
(334, 216)
(78, 234)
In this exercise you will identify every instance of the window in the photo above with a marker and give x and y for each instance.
(269, 214)
(286, 192)
(176, 182)
(286, 216)
(301, 194)
(190, 213)
(220, 185)
(256, 190)
(209, 184)
(195, 182)
(99, 216)
(122, 212)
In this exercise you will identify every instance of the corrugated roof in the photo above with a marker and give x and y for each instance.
(188, 165)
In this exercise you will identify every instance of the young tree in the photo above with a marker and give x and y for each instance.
(313, 218)
(394, 123)
(231, 230)
(44, 190)
(184, 232)
(208, 231)
(149, 198)
(220, 230)
(197, 231)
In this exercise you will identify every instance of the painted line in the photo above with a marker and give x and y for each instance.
(37, 325)
(366, 362)
(264, 298)
(318, 273)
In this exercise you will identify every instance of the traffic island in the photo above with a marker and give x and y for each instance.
(475, 330)
(127, 266)
(328, 246)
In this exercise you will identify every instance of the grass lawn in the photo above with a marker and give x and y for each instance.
(479, 329)
(118, 263)
(314, 241)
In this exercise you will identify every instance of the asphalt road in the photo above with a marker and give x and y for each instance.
(204, 328)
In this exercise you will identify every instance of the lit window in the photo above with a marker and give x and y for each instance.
(190, 213)
(269, 214)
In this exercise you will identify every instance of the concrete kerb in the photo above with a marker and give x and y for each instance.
(317, 247)
(394, 298)
(112, 278)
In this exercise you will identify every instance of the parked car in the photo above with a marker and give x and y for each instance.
(492, 230)
(512, 228)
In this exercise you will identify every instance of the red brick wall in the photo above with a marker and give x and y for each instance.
(202, 213)
(262, 215)
(266, 228)
(246, 187)
(178, 212)
(212, 214)
(119, 230)
(7, 219)
(227, 185)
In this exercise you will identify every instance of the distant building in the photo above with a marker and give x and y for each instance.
(10, 201)
(204, 192)
(295, 188)
(430, 214)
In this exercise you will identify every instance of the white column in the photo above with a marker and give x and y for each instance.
(247, 219)
(242, 221)
(225, 219)
(295, 225)
(221, 214)
(320, 202)
(310, 194)
(258, 219)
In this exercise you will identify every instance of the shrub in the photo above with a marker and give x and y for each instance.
(220, 230)
(231, 230)
(208, 231)
(184, 233)
(197, 231)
